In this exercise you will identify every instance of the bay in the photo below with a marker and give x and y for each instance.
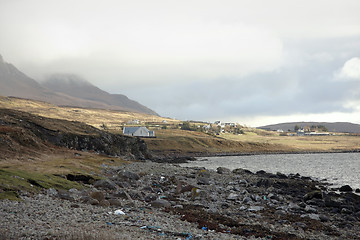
(336, 168)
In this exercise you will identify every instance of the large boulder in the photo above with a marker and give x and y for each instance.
(105, 184)
(223, 170)
(97, 195)
(345, 188)
(161, 203)
(314, 194)
(115, 202)
(127, 175)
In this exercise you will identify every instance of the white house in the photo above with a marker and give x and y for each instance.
(138, 132)
(135, 121)
(300, 132)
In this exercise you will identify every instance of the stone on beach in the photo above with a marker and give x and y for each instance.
(160, 203)
(345, 188)
(105, 184)
(97, 195)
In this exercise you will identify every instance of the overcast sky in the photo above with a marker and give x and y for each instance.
(253, 62)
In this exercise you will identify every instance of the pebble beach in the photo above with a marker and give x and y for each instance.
(147, 200)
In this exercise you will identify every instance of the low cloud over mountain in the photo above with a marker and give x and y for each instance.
(67, 90)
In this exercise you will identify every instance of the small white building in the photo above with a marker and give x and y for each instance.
(138, 132)
(207, 127)
(135, 121)
(317, 134)
(300, 132)
(230, 124)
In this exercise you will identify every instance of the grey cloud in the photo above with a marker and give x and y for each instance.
(284, 92)
(194, 59)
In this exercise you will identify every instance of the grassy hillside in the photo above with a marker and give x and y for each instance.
(176, 141)
(95, 117)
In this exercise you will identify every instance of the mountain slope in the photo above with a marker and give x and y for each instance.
(345, 127)
(15, 83)
(75, 86)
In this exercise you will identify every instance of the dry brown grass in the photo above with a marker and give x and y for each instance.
(185, 142)
(94, 117)
(62, 162)
(304, 143)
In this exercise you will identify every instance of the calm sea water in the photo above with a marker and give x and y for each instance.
(337, 168)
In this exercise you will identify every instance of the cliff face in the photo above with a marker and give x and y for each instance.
(109, 144)
(23, 132)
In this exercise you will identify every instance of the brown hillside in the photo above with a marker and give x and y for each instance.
(15, 83)
(94, 117)
(23, 134)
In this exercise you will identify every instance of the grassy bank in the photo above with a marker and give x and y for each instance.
(32, 174)
(339, 142)
(176, 141)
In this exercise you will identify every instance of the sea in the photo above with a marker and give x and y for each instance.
(337, 169)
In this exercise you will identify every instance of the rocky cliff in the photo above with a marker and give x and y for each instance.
(23, 132)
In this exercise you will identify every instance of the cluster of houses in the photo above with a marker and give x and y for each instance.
(139, 131)
(222, 126)
(302, 132)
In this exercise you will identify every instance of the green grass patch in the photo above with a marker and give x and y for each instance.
(15, 180)
(11, 195)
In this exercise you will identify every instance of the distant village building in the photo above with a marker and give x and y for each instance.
(230, 124)
(317, 134)
(217, 123)
(300, 132)
(207, 127)
(135, 121)
(138, 132)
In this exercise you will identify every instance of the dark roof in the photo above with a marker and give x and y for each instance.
(132, 130)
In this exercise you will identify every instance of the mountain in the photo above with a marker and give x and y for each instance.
(344, 127)
(15, 83)
(75, 86)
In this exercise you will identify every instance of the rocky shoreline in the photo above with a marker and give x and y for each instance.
(148, 200)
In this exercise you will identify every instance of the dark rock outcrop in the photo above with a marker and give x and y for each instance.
(35, 132)
(345, 188)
